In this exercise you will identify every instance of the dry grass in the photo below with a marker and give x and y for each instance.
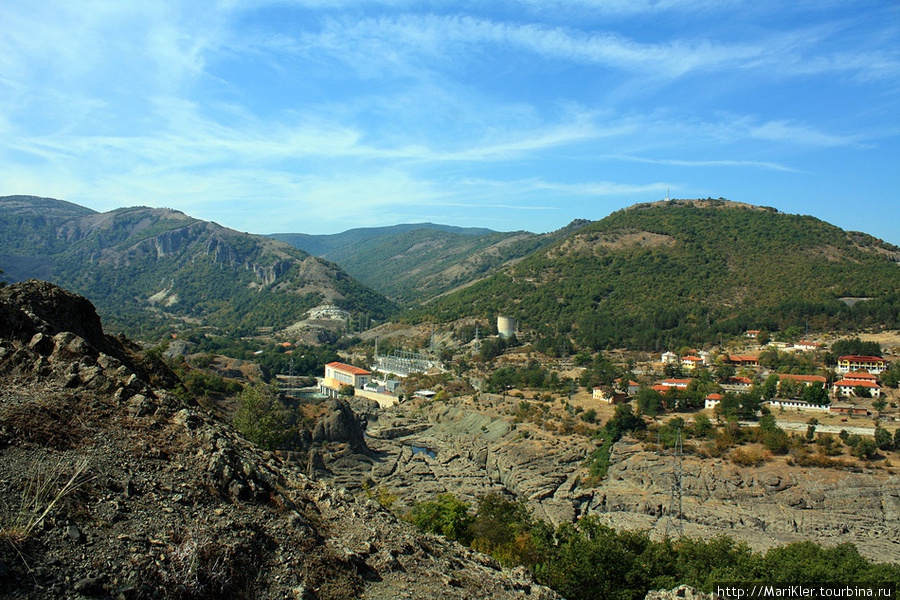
(44, 488)
(57, 423)
(750, 457)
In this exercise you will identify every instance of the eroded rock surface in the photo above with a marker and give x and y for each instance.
(422, 452)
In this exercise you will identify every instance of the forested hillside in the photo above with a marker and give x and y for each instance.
(413, 263)
(144, 266)
(655, 276)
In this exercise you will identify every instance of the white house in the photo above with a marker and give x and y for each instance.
(847, 387)
(338, 374)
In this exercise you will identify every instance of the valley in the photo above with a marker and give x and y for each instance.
(653, 374)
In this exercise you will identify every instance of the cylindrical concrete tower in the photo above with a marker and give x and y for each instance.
(506, 326)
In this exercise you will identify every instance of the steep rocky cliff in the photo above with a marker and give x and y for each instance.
(158, 499)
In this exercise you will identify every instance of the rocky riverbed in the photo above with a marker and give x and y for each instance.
(419, 451)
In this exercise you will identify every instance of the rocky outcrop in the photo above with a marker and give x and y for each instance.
(168, 501)
(764, 506)
(470, 452)
(682, 592)
(64, 330)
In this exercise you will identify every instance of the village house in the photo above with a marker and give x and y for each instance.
(689, 363)
(860, 376)
(845, 409)
(737, 384)
(712, 400)
(806, 346)
(798, 405)
(848, 387)
(666, 384)
(805, 379)
(744, 360)
(608, 395)
(869, 364)
(631, 388)
(338, 375)
(669, 358)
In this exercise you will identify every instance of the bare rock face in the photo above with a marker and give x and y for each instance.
(340, 424)
(470, 454)
(168, 501)
(60, 326)
(765, 506)
(457, 449)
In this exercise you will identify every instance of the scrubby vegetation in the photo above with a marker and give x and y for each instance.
(592, 561)
(600, 288)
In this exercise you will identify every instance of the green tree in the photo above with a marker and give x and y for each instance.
(883, 438)
(811, 429)
(702, 426)
(506, 530)
(815, 393)
(262, 418)
(624, 420)
(447, 515)
(648, 401)
(770, 387)
(866, 448)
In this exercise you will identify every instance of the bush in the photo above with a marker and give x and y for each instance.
(865, 449)
(447, 516)
(262, 418)
(883, 438)
(748, 457)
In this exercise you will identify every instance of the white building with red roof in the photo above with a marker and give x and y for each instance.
(869, 364)
(338, 375)
(848, 387)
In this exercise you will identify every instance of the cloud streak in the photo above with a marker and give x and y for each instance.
(249, 110)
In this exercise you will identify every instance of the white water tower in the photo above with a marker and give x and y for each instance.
(506, 326)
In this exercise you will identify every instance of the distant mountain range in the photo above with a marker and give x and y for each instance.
(146, 266)
(653, 276)
(415, 262)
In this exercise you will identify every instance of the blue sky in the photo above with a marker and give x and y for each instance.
(319, 116)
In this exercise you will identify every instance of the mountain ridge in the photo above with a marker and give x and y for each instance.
(416, 262)
(662, 275)
(135, 262)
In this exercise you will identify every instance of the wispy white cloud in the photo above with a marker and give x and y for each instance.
(592, 188)
(704, 163)
(795, 133)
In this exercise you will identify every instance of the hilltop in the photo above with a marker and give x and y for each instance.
(152, 265)
(656, 276)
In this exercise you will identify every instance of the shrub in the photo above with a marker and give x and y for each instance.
(447, 516)
(865, 449)
(262, 418)
(749, 457)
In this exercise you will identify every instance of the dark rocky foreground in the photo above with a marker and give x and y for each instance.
(166, 500)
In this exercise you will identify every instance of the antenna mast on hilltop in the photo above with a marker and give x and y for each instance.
(667, 195)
